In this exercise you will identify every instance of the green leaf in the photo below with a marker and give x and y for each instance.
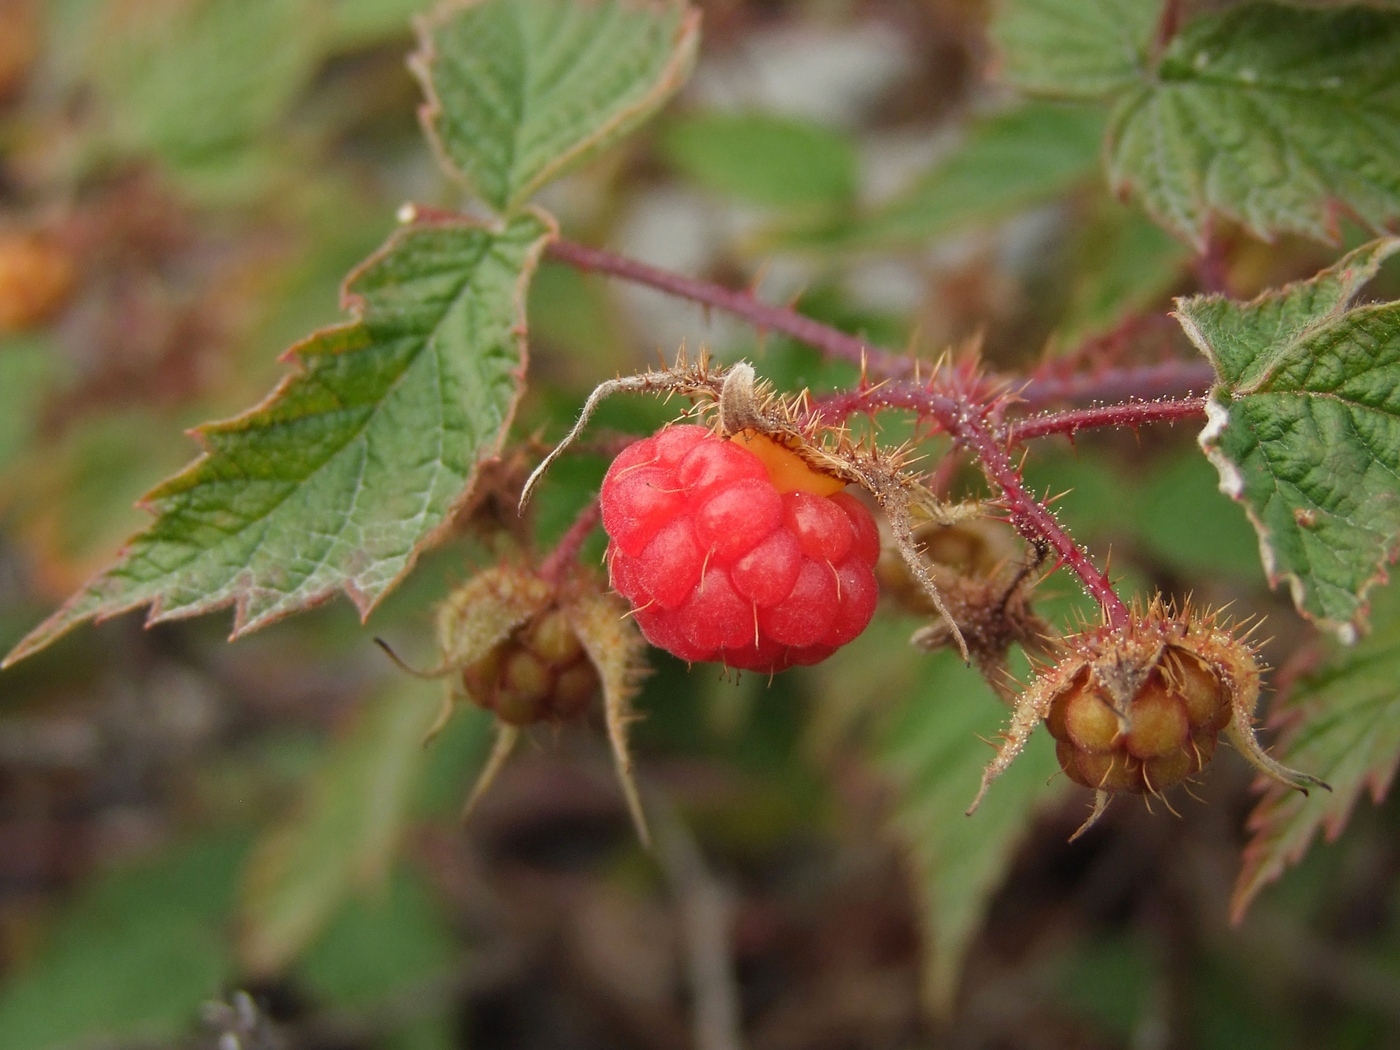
(519, 90)
(933, 748)
(357, 460)
(343, 836)
(29, 369)
(361, 23)
(1008, 162)
(764, 159)
(133, 958)
(1269, 115)
(193, 81)
(378, 946)
(1304, 429)
(1125, 263)
(1343, 724)
(1074, 48)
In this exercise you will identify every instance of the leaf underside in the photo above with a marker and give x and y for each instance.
(1344, 726)
(1305, 430)
(519, 91)
(934, 751)
(351, 466)
(343, 836)
(1277, 117)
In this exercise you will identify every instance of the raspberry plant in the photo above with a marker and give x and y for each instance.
(757, 526)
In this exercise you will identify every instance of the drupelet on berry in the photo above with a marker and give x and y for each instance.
(725, 557)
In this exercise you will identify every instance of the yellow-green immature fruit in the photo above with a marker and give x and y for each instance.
(1140, 707)
(539, 673)
(533, 650)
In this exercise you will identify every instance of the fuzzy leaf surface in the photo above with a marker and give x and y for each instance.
(1304, 429)
(349, 468)
(1271, 116)
(1074, 48)
(519, 90)
(343, 835)
(1342, 724)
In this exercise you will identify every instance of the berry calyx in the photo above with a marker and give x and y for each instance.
(1140, 707)
(752, 559)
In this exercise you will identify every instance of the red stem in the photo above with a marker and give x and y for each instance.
(964, 423)
(1168, 379)
(1132, 414)
(1033, 520)
(557, 562)
(763, 316)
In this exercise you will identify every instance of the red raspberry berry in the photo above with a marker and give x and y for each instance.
(720, 563)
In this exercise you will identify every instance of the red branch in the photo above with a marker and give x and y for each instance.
(965, 424)
(1132, 414)
(763, 316)
(1031, 517)
(557, 562)
(1168, 379)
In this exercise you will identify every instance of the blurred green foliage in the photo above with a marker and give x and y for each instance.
(215, 168)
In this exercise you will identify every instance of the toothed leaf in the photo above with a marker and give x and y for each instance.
(1271, 116)
(1343, 725)
(1074, 48)
(1305, 429)
(519, 90)
(1274, 116)
(351, 466)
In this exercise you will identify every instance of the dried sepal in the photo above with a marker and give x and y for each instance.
(1138, 708)
(617, 649)
(986, 586)
(531, 648)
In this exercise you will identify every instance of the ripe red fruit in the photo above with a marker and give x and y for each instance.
(722, 563)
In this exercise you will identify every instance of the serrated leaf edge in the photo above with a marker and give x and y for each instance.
(1258, 870)
(57, 624)
(420, 64)
(1218, 418)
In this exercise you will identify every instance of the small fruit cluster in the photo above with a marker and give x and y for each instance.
(540, 673)
(750, 559)
(1163, 734)
(1139, 706)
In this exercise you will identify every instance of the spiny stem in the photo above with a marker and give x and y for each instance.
(1132, 414)
(1168, 379)
(1028, 514)
(966, 424)
(557, 562)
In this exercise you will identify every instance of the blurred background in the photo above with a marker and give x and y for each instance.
(183, 186)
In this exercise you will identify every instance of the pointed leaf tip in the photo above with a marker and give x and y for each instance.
(517, 91)
(358, 458)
